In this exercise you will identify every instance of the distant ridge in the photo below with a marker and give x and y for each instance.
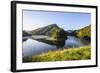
(25, 33)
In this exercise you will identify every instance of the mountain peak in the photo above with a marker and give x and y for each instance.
(53, 24)
(46, 30)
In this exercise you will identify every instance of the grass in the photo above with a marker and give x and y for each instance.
(81, 53)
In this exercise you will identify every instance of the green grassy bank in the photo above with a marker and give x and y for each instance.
(81, 53)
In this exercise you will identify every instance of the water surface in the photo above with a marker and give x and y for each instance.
(34, 47)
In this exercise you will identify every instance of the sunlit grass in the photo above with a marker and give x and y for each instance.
(81, 53)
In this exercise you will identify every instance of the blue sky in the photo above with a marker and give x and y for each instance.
(66, 20)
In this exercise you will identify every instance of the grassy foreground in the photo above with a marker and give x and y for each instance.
(81, 53)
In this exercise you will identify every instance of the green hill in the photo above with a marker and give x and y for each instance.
(84, 32)
(50, 30)
(45, 30)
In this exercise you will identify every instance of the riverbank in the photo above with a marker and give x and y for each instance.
(81, 53)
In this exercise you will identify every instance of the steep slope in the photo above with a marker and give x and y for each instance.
(44, 30)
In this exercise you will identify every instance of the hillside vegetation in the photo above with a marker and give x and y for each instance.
(81, 53)
(58, 34)
(84, 32)
(53, 32)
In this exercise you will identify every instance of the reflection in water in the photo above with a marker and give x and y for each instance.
(73, 42)
(35, 47)
(60, 44)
